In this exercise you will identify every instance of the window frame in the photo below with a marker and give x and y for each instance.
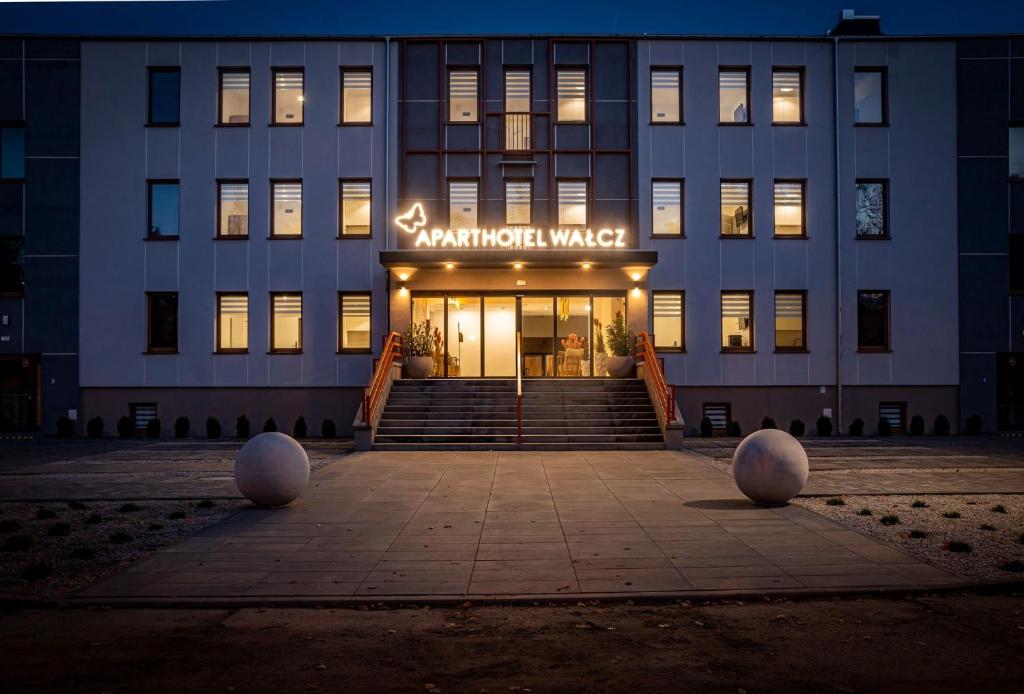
(221, 70)
(13, 125)
(882, 70)
(341, 323)
(586, 94)
(341, 208)
(368, 69)
(750, 108)
(516, 179)
(217, 349)
(876, 349)
(750, 207)
(150, 71)
(800, 70)
(149, 323)
(753, 341)
(678, 69)
(884, 236)
(802, 293)
(452, 69)
(803, 210)
(302, 214)
(217, 236)
(682, 207)
(572, 179)
(302, 308)
(150, 182)
(274, 123)
(681, 293)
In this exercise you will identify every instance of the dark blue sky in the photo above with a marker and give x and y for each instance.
(378, 17)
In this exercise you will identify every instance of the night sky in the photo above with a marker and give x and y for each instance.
(383, 17)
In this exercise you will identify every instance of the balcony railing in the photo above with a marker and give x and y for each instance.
(518, 137)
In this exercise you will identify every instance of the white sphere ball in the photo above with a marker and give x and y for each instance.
(272, 469)
(770, 467)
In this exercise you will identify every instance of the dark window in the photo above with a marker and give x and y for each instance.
(12, 152)
(873, 321)
(870, 98)
(164, 95)
(354, 322)
(1017, 263)
(790, 321)
(164, 209)
(872, 209)
(12, 267)
(669, 326)
(163, 321)
(719, 414)
(234, 96)
(895, 415)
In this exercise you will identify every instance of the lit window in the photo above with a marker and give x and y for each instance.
(289, 97)
(233, 219)
(164, 95)
(873, 321)
(354, 322)
(234, 97)
(734, 96)
(1017, 152)
(356, 96)
(737, 321)
(735, 204)
(572, 204)
(572, 96)
(869, 99)
(232, 322)
(12, 267)
(872, 215)
(463, 201)
(789, 208)
(666, 215)
(164, 209)
(355, 208)
(787, 96)
(518, 203)
(162, 312)
(287, 217)
(665, 96)
(12, 152)
(517, 110)
(463, 96)
(790, 330)
(668, 320)
(286, 322)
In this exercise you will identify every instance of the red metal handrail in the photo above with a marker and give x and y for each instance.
(665, 393)
(372, 393)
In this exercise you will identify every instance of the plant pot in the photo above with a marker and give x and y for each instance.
(418, 367)
(619, 367)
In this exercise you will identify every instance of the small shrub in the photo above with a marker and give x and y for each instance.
(706, 430)
(917, 534)
(46, 514)
(270, 425)
(916, 425)
(206, 503)
(889, 520)
(9, 525)
(733, 429)
(242, 427)
(823, 426)
(126, 428)
(129, 508)
(919, 504)
(973, 425)
(65, 428)
(153, 527)
(796, 427)
(37, 571)
(212, 428)
(768, 423)
(998, 508)
(94, 428)
(856, 427)
(77, 506)
(957, 546)
(120, 537)
(177, 515)
(836, 501)
(299, 430)
(59, 530)
(941, 426)
(1015, 566)
(883, 427)
(84, 553)
(18, 543)
(986, 526)
(951, 514)
(181, 427)
(864, 512)
(328, 430)
(94, 519)
(153, 428)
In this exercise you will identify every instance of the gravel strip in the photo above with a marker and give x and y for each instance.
(990, 549)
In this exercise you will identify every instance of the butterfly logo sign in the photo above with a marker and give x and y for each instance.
(413, 220)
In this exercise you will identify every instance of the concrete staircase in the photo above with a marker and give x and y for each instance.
(480, 414)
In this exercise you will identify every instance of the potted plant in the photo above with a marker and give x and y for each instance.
(619, 339)
(419, 349)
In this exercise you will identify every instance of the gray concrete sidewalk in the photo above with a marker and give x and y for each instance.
(467, 524)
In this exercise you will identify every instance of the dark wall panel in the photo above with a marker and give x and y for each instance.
(422, 128)
(459, 53)
(982, 209)
(11, 90)
(52, 206)
(52, 108)
(422, 66)
(11, 208)
(984, 286)
(611, 71)
(572, 53)
(51, 313)
(421, 179)
(983, 101)
(611, 125)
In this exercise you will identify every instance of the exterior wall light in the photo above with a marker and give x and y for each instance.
(636, 291)
(517, 266)
(586, 266)
(403, 276)
(635, 276)
(449, 266)
(402, 291)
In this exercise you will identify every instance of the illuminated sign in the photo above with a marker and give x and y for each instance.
(414, 222)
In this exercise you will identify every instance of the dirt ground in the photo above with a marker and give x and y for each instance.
(952, 643)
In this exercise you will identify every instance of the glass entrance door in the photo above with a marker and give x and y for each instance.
(464, 337)
(572, 327)
(538, 328)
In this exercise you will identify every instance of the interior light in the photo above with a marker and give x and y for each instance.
(449, 266)
(517, 266)
(302, 98)
(636, 291)
(586, 266)
(787, 89)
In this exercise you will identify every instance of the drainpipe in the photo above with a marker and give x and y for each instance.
(839, 238)
(387, 178)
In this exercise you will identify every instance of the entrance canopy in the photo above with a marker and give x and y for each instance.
(506, 258)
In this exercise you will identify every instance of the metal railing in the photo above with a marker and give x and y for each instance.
(517, 132)
(373, 394)
(663, 394)
(519, 389)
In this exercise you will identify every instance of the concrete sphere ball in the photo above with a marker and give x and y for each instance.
(272, 469)
(770, 467)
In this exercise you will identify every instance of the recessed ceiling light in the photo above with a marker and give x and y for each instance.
(586, 266)
(449, 266)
